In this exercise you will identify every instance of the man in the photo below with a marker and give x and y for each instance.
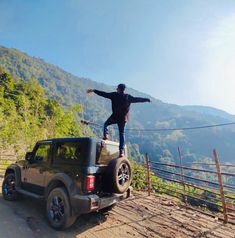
(120, 107)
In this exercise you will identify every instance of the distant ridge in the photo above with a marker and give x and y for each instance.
(210, 111)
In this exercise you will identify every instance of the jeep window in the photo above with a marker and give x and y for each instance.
(68, 152)
(42, 153)
(105, 152)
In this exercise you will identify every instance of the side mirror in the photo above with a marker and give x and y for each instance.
(28, 156)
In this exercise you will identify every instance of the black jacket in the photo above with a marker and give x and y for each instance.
(120, 103)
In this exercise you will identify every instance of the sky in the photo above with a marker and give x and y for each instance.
(178, 51)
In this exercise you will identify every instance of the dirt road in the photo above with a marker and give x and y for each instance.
(140, 216)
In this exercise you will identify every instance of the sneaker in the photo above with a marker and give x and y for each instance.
(121, 154)
(105, 137)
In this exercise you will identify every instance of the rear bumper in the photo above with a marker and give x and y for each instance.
(88, 203)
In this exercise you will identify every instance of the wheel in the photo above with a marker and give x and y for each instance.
(119, 175)
(8, 188)
(58, 209)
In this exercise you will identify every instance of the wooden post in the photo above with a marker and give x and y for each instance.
(221, 187)
(181, 165)
(181, 168)
(148, 173)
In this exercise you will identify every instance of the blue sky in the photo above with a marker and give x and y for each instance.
(180, 52)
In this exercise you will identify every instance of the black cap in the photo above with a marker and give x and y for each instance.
(122, 87)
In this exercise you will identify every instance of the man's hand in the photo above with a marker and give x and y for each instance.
(90, 90)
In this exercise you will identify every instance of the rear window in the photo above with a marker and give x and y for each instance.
(106, 152)
(68, 152)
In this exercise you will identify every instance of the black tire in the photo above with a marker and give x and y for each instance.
(59, 210)
(118, 175)
(9, 192)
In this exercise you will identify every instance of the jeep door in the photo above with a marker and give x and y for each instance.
(35, 170)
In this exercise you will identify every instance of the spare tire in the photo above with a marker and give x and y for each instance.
(118, 175)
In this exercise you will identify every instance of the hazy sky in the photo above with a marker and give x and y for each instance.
(179, 51)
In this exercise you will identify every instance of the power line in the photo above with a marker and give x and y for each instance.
(184, 128)
(90, 123)
(166, 129)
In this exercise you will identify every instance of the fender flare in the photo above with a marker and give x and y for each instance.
(13, 168)
(61, 179)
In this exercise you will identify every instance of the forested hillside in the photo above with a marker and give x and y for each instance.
(69, 89)
(28, 115)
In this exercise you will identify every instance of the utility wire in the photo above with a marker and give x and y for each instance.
(166, 129)
(183, 128)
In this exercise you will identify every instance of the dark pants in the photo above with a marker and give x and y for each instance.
(121, 128)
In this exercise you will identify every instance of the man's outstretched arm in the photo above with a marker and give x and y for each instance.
(138, 99)
(100, 93)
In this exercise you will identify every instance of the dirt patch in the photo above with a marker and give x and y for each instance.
(139, 216)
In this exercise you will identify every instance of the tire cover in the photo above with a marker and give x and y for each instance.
(118, 175)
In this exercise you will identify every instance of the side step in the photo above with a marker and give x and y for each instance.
(27, 193)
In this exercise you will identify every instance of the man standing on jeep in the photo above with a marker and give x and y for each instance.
(120, 108)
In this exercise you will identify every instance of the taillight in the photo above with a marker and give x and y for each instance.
(90, 182)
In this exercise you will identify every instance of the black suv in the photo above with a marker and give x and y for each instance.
(73, 175)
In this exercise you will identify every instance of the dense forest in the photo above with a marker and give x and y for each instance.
(28, 115)
(55, 115)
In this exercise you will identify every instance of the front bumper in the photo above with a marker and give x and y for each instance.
(88, 203)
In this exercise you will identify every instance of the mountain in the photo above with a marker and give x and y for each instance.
(161, 145)
(211, 111)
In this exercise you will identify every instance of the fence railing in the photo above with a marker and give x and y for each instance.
(196, 186)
